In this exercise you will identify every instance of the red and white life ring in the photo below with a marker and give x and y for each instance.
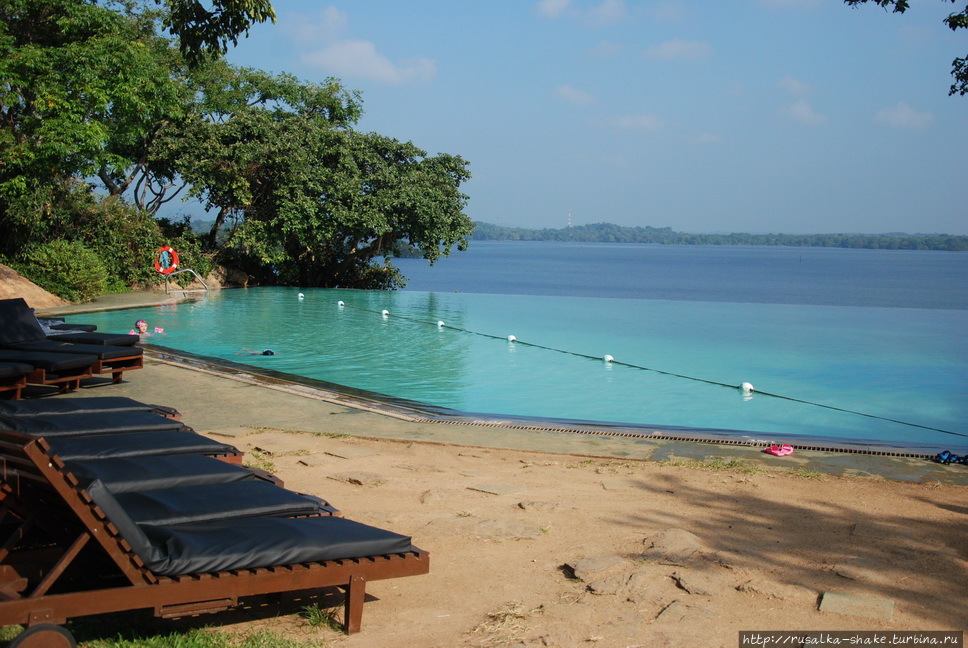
(166, 260)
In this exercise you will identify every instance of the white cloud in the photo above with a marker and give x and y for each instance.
(608, 12)
(793, 86)
(574, 95)
(552, 8)
(356, 58)
(679, 49)
(801, 111)
(640, 123)
(332, 25)
(344, 57)
(903, 116)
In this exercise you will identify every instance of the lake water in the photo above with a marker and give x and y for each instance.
(862, 345)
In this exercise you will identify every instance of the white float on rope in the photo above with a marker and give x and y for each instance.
(385, 313)
(747, 388)
(511, 338)
(340, 303)
(301, 295)
(608, 358)
(440, 323)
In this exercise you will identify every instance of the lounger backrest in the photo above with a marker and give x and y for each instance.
(17, 322)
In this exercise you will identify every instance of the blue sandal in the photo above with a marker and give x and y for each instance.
(946, 457)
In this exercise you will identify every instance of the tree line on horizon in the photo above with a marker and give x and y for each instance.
(611, 233)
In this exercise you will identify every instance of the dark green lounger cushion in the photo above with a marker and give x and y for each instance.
(214, 502)
(102, 351)
(264, 542)
(91, 423)
(51, 362)
(113, 339)
(136, 444)
(13, 369)
(71, 406)
(248, 543)
(127, 474)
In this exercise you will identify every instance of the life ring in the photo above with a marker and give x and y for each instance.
(166, 260)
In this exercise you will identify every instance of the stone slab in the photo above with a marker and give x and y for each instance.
(858, 605)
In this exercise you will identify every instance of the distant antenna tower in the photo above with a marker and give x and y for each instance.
(569, 219)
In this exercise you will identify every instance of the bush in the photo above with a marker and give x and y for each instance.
(68, 269)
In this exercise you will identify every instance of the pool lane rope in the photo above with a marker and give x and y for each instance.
(745, 387)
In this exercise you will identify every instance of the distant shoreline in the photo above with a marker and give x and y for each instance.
(609, 233)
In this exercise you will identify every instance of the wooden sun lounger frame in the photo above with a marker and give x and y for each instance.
(11, 386)
(64, 381)
(27, 465)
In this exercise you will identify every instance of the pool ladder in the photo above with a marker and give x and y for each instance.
(197, 277)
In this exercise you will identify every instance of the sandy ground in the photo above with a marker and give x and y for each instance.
(534, 549)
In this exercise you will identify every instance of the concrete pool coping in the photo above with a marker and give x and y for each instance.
(218, 396)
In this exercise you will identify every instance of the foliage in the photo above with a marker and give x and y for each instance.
(955, 21)
(69, 269)
(205, 32)
(92, 91)
(307, 200)
(200, 638)
(83, 86)
(609, 233)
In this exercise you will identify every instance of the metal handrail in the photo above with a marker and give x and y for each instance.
(200, 280)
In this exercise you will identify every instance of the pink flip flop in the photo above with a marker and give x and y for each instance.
(779, 450)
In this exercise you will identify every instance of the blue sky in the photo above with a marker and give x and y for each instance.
(793, 116)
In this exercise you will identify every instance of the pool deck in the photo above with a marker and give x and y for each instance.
(228, 402)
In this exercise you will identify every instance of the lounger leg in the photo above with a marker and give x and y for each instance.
(355, 593)
(116, 377)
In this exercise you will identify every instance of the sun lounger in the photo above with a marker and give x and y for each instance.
(20, 330)
(141, 444)
(90, 424)
(110, 359)
(58, 324)
(87, 405)
(216, 503)
(13, 378)
(110, 339)
(62, 370)
(173, 569)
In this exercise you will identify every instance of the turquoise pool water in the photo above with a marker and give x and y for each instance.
(901, 372)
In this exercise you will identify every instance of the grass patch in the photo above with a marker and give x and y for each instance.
(318, 617)
(718, 463)
(259, 461)
(196, 638)
(504, 626)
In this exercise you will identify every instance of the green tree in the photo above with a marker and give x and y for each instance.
(955, 21)
(306, 199)
(204, 30)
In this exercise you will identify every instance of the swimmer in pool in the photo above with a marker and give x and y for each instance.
(141, 329)
(266, 352)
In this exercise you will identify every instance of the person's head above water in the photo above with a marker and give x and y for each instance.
(268, 352)
(141, 326)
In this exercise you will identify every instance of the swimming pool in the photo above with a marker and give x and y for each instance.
(862, 374)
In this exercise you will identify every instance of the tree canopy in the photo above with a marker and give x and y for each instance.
(955, 21)
(98, 106)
